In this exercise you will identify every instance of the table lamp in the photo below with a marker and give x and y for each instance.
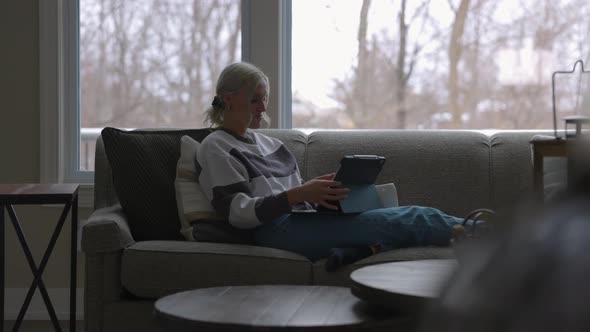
(575, 120)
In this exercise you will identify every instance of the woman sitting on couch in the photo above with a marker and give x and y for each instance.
(253, 181)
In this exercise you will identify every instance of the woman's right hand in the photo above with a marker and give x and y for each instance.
(319, 190)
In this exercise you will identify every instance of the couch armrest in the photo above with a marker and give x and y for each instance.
(106, 230)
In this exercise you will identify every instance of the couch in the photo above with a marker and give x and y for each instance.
(126, 271)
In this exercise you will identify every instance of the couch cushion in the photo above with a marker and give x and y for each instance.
(143, 164)
(205, 230)
(341, 277)
(152, 269)
(192, 203)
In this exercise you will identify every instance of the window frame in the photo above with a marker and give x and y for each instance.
(269, 48)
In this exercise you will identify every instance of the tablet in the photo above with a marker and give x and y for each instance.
(358, 173)
(359, 169)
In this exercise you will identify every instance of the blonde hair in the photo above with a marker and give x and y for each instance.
(231, 80)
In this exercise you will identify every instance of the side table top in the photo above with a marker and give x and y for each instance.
(33, 193)
(406, 285)
(266, 307)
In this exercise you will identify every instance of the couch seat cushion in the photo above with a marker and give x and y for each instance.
(152, 269)
(341, 277)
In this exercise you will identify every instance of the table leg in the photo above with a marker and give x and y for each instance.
(37, 273)
(538, 175)
(73, 264)
(2, 267)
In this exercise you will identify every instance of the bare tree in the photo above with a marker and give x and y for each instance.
(401, 75)
(455, 50)
(376, 93)
(361, 84)
(154, 63)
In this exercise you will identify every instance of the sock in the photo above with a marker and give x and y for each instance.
(458, 233)
(344, 256)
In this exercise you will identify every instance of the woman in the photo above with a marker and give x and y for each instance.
(253, 180)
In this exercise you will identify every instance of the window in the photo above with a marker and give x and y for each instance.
(435, 64)
(158, 59)
(148, 64)
(485, 65)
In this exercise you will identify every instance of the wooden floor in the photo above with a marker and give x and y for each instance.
(42, 326)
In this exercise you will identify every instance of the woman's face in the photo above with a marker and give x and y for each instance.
(258, 104)
(245, 111)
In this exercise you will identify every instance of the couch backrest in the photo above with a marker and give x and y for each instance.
(448, 170)
(512, 168)
(104, 191)
(453, 170)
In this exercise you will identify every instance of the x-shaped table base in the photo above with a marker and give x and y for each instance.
(39, 194)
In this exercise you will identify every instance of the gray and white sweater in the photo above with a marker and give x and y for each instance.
(246, 179)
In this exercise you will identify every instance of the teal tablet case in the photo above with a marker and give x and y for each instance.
(361, 198)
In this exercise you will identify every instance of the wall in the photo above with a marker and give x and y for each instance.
(19, 151)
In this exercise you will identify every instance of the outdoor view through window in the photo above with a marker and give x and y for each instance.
(433, 63)
(419, 64)
(151, 63)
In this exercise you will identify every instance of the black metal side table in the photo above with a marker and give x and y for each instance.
(26, 194)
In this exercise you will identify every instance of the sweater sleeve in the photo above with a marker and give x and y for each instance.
(225, 182)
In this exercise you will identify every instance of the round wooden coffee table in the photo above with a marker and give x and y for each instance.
(403, 286)
(273, 308)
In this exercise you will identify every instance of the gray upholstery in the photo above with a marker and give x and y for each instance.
(102, 287)
(152, 269)
(106, 231)
(512, 171)
(455, 171)
(425, 166)
(104, 191)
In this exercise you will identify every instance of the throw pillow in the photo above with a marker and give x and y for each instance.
(199, 221)
(143, 164)
(192, 203)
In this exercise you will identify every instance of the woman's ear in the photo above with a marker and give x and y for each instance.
(227, 100)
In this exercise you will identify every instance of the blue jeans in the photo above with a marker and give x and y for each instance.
(314, 235)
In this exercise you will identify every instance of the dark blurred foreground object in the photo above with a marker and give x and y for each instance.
(531, 277)
(578, 168)
(558, 164)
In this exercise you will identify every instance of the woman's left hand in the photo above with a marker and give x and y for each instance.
(320, 190)
(328, 177)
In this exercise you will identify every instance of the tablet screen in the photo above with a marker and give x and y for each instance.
(359, 169)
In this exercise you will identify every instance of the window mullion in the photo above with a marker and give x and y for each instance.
(268, 27)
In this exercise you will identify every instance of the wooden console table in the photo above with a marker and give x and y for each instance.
(26, 194)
